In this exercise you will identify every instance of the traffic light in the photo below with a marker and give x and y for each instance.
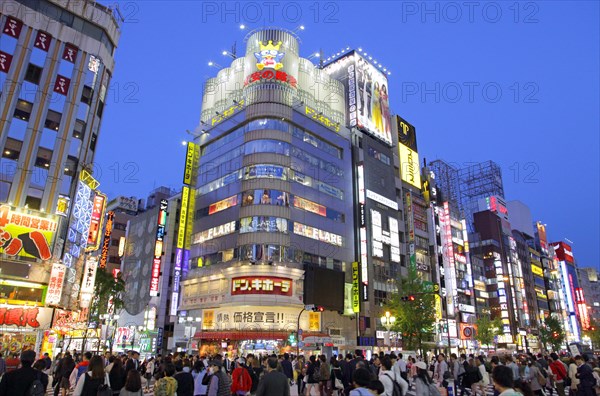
(555, 334)
(408, 298)
(318, 308)
(292, 338)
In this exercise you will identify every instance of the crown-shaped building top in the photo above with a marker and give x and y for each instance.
(270, 46)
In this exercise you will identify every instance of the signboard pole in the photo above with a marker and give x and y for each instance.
(298, 332)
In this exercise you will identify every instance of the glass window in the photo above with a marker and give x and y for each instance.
(263, 224)
(265, 171)
(379, 156)
(266, 197)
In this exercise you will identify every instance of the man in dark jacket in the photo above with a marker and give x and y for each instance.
(18, 382)
(185, 381)
(134, 362)
(286, 365)
(274, 382)
(585, 375)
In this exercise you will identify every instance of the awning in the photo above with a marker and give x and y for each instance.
(248, 335)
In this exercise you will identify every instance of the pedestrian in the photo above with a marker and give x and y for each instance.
(485, 376)
(422, 380)
(167, 385)
(185, 381)
(535, 379)
(241, 382)
(64, 369)
(325, 376)
(117, 376)
(559, 373)
(198, 372)
(274, 382)
(311, 369)
(220, 384)
(585, 374)
(18, 382)
(133, 385)
(286, 365)
(361, 381)
(13, 362)
(503, 381)
(89, 382)
(387, 376)
(81, 368)
(149, 372)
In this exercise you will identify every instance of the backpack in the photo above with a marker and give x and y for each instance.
(540, 377)
(36, 388)
(317, 373)
(396, 390)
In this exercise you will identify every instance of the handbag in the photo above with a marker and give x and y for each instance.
(338, 383)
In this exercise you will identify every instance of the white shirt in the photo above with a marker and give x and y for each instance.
(401, 363)
(386, 378)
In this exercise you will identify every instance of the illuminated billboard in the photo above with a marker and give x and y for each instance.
(160, 234)
(367, 104)
(409, 166)
(27, 233)
(407, 134)
(96, 222)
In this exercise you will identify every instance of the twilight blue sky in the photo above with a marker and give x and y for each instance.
(517, 83)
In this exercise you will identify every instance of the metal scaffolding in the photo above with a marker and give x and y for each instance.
(447, 183)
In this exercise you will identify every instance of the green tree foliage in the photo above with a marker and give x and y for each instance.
(414, 319)
(487, 329)
(107, 286)
(594, 333)
(552, 333)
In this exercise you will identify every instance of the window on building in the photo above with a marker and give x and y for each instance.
(33, 74)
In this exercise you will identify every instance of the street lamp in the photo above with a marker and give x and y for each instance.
(387, 321)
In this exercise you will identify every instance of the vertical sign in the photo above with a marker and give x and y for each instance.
(87, 284)
(364, 274)
(106, 242)
(160, 233)
(355, 290)
(55, 284)
(96, 222)
(411, 230)
(185, 194)
(176, 281)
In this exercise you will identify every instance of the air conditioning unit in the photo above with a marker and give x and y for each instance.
(335, 332)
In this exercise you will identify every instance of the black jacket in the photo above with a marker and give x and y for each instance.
(117, 379)
(273, 383)
(185, 384)
(17, 382)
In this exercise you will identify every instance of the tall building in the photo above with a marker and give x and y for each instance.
(56, 61)
(273, 219)
(588, 277)
(577, 319)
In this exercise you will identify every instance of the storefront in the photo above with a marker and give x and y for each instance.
(23, 327)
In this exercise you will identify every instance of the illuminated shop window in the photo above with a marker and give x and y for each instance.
(263, 224)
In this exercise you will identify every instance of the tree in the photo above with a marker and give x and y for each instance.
(106, 289)
(594, 333)
(487, 329)
(552, 333)
(414, 309)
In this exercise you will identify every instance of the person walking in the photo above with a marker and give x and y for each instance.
(503, 381)
(117, 376)
(585, 374)
(18, 382)
(535, 378)
(167, 385)
(63, 371)
(241, 381)
(220, 384)
(149, 372)
(133, 385)
(89, 382)
(185, 380)
(274, 382)
(559, 373)
(198, 372)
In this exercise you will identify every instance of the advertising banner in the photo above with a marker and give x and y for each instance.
(185, 195)
(27, 233)
(55, 283)
(409, 166)
(355, 288)
(407, 134)
(367, 96)
(259, 318)
(96, 222)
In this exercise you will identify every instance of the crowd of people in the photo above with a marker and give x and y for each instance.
(390, 374)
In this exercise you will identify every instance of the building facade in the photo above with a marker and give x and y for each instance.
(56, 61)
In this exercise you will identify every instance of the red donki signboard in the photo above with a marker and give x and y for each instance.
(42, 41)
(70, 53)
(5, 61)
(261, 285)
(13, 27)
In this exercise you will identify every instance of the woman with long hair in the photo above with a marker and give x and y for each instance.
(198, 372)
(375, 99)
(133, 384)
(65, 368)
(534, 378)
(422, 380)
(88, 383)
(117, 376)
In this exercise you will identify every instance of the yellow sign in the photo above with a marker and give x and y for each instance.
(193, 152)
(190, 219)
(438, 307)
(26, 232)
(355, 288)
(537, 270)
(185, 194)
(410, 170)
(208, 319)
(88, 179)
(227, 113)
(321, 119)
(314, 321)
